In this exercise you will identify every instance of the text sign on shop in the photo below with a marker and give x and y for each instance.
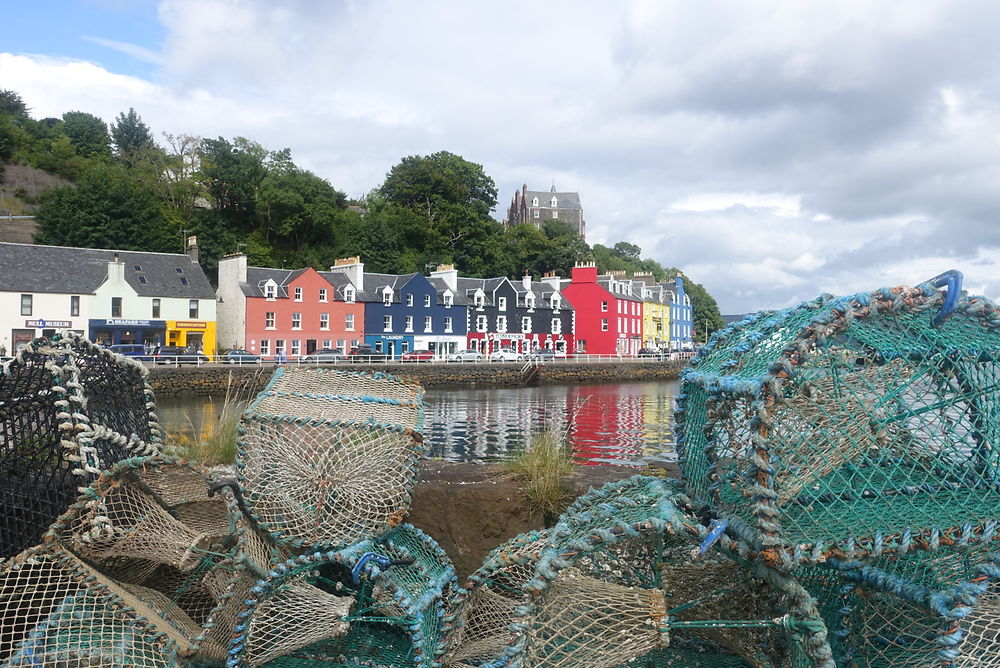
(41, 324)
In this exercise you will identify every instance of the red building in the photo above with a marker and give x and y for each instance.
(608, 315)
(287, 312)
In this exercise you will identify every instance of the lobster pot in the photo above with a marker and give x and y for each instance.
(343, 395)
(921, 608)
(477, 619)
(378, 602)
(68, 410)
(620, 581)
(829, 424)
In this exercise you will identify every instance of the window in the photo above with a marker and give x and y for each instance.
(537, 213)
(341, 344)
(326, 344)
(116, 307)
(409, 323)
(269, 320)
(349, 322)
(534, 202)
(378, 346)
(192, 308)
(156, 308)
(387, 323)
(183, 280)
(136, 267)
(279, 347)
(26, 304)
(448, 300)
(428, 323)
(427, 301)
(556, 326)
(324, 321)
(604, 306)
(322, 294)
(141, 278)
(556, 303)
(298, 294)
(555, 214)
(526, 324)
(349, 294)
(74, 305)
(296, 321)
(265, 346)
(447, 323)
(480, 323)
(555, 202)
(409, 299)
(270, 291)
(501, 323)
(296, 348)
(604, 324)
(502, 303)
(480, 301)
(529, 301)
(387, 297)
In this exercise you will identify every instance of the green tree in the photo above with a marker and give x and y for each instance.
(133, 141)
(427, 183)
(107, 208)
(233, 172)
(11, 104)
(88, 134)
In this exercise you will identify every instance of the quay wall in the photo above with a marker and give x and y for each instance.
(213, 379)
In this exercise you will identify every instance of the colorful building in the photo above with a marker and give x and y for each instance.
(655, 310)
(286, 313)
(681, 316)
(109, 296)
(608, 315)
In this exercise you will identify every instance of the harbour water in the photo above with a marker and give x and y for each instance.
(625, 424)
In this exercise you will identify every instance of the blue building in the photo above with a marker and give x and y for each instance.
(681, 316)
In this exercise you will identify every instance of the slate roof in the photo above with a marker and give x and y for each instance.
(458, 297)
(257, 277)
(563, 200)
(60, 269)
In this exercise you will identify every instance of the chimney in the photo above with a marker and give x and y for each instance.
(551, 279)
(116, 271)
(585, 272)
(354, 268)
(192, 248)
(526, 281)
(448, 274)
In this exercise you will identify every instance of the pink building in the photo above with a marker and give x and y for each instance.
(608, 315)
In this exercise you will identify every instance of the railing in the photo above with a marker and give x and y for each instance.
(196, 359)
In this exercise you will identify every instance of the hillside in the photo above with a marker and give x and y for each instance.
(20, 187)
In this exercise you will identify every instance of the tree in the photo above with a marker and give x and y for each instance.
(107, 208)
(11, 104)
(626, 251)
(88, 134)
(132, 139)
(232, 174)
(427, 183)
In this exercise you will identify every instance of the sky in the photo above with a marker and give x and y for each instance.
(772, 150)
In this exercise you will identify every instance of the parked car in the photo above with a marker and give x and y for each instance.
(467, 355)
(506, 355)
(324, 356)
(542, 355)
(178, 355)
(417, 356)
(366, 354)
(239, 356)
(136, 351)
(655, 353)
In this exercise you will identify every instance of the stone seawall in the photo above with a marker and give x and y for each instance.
(168, 381)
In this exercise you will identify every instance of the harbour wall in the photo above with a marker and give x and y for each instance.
(216, 380)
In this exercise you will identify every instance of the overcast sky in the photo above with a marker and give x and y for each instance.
(772, 150)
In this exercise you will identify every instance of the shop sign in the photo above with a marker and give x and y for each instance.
(42, 324)
(393, 337)
(189, 325)
(121, 322)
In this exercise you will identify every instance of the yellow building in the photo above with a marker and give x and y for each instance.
(655, 311)
(198, 334)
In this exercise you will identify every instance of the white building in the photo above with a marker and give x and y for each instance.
(108, 296)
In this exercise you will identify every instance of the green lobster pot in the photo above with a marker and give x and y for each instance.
(848, 423)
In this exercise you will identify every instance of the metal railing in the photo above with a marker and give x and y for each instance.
(196, 359)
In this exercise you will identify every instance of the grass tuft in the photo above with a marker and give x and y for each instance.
(542, 469)
(215, 441)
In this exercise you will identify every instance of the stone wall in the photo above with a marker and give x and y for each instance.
(169, 381)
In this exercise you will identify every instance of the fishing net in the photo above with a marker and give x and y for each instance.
(384, 606)
(845, 422)
(621, 581)
(920, 608)
(478, 618)
(68, 410)
(343, 395)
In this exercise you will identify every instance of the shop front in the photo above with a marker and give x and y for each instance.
(392, 345)
(441, 346)
(116, 331)
(196, 334)
(32, 329)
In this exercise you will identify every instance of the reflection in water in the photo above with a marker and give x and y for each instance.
(622, 423)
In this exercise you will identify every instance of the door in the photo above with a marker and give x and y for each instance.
(310, 346)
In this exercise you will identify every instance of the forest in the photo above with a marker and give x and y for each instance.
(122, 187)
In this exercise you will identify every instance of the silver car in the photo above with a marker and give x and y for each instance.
(468, 355)
(323, 356)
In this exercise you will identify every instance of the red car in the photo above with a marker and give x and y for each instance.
(417, 356)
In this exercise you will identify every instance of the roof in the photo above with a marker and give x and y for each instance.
(258, 276)
(61, 269)
(458, 297)
(563, 200)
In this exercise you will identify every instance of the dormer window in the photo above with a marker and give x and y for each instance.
(534, 202)
(387, 298)
(556, 302)
(555, 202)
(480, 301)
(349, 294)
(270, 291)
(448, 300)
(529, 301)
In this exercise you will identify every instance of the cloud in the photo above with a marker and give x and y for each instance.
(773, 151)
(134, 50)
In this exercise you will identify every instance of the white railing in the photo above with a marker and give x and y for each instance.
(197, 359)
